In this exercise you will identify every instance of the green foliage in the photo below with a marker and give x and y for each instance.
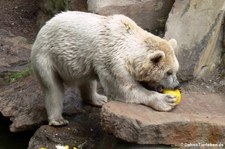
(13, 76)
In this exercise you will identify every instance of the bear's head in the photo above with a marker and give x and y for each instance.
(157, 64)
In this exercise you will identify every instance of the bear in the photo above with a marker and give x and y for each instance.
(79, 48)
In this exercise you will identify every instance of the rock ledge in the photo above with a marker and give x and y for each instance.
(198, 119)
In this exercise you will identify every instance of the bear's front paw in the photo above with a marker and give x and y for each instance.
(98, 100)
(58, 122)
(163, 102)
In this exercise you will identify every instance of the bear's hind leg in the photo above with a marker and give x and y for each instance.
(53, 90)
(89, 93)
(54, 104)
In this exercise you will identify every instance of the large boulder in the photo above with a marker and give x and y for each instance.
(199, 118)
(196, 26)
(149, 14)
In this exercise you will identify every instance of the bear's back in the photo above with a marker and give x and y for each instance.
(73, 22)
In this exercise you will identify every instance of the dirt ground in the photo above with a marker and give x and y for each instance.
(213, 83)
(19, 17)
(17, 24)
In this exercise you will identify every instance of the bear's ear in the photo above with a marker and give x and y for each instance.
(173, 43)
(156, 56)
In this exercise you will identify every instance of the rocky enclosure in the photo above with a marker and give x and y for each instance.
(199, 118)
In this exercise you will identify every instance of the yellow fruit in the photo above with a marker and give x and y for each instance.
(175, 92)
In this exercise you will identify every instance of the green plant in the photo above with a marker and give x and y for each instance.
(13, 76)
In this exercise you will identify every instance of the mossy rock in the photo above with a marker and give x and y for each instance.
(52, 7)
(48, 9)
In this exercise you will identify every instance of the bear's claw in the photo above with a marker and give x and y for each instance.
(164, 103)
(59, 122)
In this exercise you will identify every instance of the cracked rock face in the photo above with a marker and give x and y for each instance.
(196, 26)
(199, 118)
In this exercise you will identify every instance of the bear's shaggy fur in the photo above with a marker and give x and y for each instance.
(77, 48)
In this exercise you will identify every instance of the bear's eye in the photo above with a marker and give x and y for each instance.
(169, 73)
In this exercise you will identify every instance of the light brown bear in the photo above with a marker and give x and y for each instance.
(77, 48)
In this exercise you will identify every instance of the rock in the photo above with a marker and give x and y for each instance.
(22, 100)
(14, 52)
(199, 118)
(196, 26)
(23, 103)
(48, 8)
(224, 34)
(223, 60)
(84, 131)
(78, 5)
(14, 55)
(222, 82)
(149, 14)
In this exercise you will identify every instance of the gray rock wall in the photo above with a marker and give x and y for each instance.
(196, 24)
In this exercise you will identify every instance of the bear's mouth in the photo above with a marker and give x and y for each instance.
(152, 86)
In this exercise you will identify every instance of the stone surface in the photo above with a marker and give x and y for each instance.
(14, 54)
(21, 100)
(23, 103)
(48, 8)
(199, 118)
(196, 24)
(223, 33)
(78, 5)
(84, 131)
(14, 51)
(149, 14)
(19, 17)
